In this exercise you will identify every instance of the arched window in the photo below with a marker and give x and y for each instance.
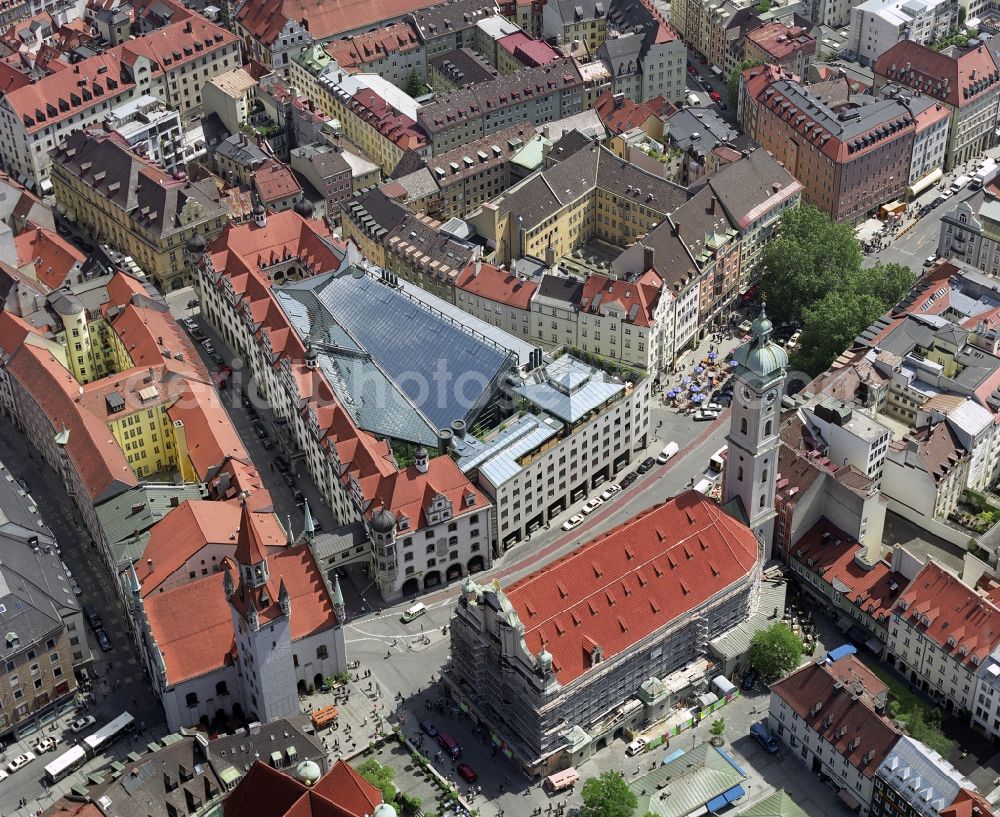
(763, 476)
(767, 429)
(762, 498)
(221, 688)
(743, 425)
(191, 699)
(739, 473)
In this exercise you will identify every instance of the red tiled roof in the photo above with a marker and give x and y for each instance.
(408, 493)
(106, 75)
(51, 255)
(267, 792)
(619, 118)
(781, 42)
(968, 803)
(397, 127)
(252, 539)
(193, 525)
(192, 645)
(193, 648)
(953, 611)
(265, 19)
(211, 437)
(275, 181)
(528, 50)
(242, 248)
(854, 730)
(623, 586)
(957, 80)
(643, 293)
(96, 456)
(494, 284)
(355, 52)
(832, 560)
(850, 670)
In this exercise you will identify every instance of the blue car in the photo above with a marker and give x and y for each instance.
(765, 738)
(428, 729)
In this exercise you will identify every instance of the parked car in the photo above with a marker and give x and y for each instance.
(636, 747)
(411, 613)
(92, 616)
(281, 463)
(189, 324)
(3, 775)
(24, 485)
(749, 680)
(938, 201)
(80, 724)
(467, 773)
(103, 640)
(929, 260)
(628, 479)
(46, 744)
(612, 490)
(591, 505)
(193, 303)
(925, 210)
(705, 414)
(572, 522)
(63, 230)
(266, 444)
(428, 729)
(259, 430)
(449, 744)
(288, 478)
(208, 346)
(765, 738)
(715, 96)
(75, 587)
(20, 761)
(297, 494)
(646, 465)
(217, 359)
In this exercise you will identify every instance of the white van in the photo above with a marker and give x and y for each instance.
(636, 747)
(715, 462)
(668, 451)
(416, 611)
(704, 486)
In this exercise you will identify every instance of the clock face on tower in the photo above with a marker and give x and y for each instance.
(771, 396)
(746, 394)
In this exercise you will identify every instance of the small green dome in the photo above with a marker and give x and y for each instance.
(308, 772)
(760, 355)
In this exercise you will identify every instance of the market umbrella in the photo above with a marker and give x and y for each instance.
(695, 387)
(686, 380)
(733, 362)
(699, 369)
(697, 398)
(713, 355)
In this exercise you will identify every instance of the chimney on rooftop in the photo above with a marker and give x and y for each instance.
(711, 206)
(149, 564)
(648, 258)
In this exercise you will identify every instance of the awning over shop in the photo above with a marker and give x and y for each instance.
(717, 804)
(920, 185)
(734, 794)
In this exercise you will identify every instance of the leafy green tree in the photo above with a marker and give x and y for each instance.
(380, 777)
(775, 652)
(414, 85)
(733, 82)
(718, 727)
(607, 796)
(810, 257)
(830, 326)
(887, 282)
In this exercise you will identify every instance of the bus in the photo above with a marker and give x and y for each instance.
(108, 733)
(67, 762)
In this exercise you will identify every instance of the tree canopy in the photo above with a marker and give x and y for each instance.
(813, 275)
(380, 777)
(775, 652)
(608, 796)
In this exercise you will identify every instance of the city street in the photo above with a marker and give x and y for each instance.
(119, 685)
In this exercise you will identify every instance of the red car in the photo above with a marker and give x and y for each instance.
(714, 96)
(467, 773)
(691, 68)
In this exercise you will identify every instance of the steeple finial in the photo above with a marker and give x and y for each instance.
(308, 526)
(339, 608)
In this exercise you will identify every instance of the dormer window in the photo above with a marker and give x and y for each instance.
(903, 604)
(951, 641)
